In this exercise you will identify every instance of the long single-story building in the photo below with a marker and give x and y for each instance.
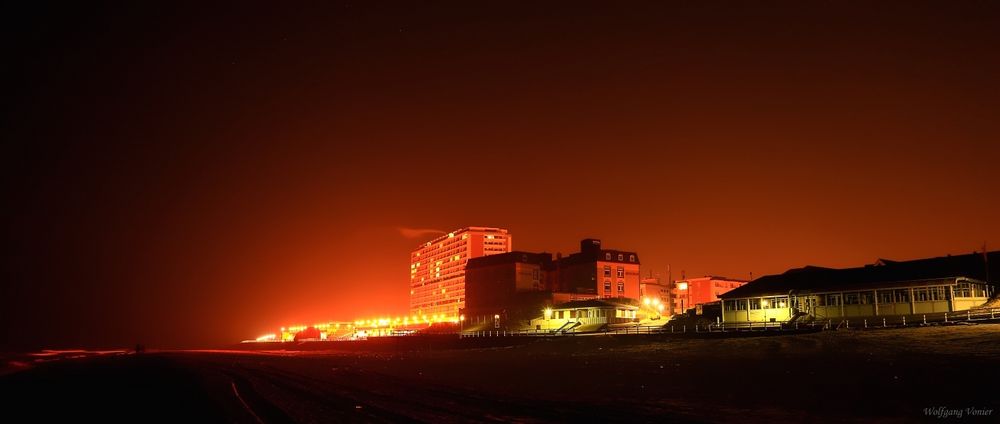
(586, 315)
(885, 288)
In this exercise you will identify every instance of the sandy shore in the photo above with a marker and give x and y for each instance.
(867, 376)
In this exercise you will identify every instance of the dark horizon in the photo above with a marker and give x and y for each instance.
(192, 176)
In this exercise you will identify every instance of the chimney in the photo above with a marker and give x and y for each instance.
(590, 246)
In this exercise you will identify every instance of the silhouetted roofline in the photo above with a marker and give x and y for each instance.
(884, 273)
(543, 259)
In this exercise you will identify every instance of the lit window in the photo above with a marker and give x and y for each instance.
(607, 270)
(621, 272)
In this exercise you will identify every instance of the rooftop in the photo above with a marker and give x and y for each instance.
(814, 279)
(596, 303)
(509, 258)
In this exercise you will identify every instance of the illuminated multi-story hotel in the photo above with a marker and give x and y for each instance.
(437, 269)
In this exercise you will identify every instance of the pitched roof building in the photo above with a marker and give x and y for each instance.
(887, 287)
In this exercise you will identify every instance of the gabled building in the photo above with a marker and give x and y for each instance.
(604, 272)
(522, 283)
(885, 288)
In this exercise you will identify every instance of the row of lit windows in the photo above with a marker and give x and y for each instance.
(440, 254)
(607, 287)
(923, 294)
(436, 292)
(755, 304)
(966, 289)
(620, 271)
(621, 257)
(437, 302)
(452, 240)
(624, 313)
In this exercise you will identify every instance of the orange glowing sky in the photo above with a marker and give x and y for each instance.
(195, 177)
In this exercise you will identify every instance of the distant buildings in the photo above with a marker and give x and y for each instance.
(655, 294)
(691, 292)
(520, 283)
(885, 288)
(437, 269)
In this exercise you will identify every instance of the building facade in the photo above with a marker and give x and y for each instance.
(883, 289)
(520, 284)
(655, 295)
(606, 273)
(437, 269)
(498, 284)
(583, 316)
(691, 292)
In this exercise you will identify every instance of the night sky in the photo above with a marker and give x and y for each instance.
(196, 176)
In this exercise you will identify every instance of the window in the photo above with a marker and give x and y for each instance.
(833, 300)
(621, 257)
(621, 287)
(937, 293)
(736, 305)
(885, 297)
(621, 272)
(778, 302)
(607, 256)
(754, 304)
(607, 270)
(561, 314)
(902, 296)
(607, 287)
(866, 298)
(631, 258)
(920, 295)
(851, 299)
(963, 290)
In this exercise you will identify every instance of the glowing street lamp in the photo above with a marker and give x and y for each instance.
(548, 313)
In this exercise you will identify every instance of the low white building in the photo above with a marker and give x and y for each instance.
(586, 315)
